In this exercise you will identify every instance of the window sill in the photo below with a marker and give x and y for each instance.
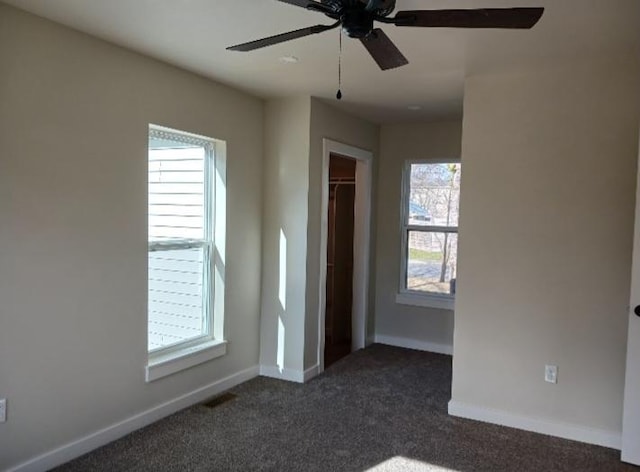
(430, 301)
(166, 364)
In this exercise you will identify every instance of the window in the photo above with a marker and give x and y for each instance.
(181, 217)
(430, 207)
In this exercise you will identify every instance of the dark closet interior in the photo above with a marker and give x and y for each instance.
(342, 180)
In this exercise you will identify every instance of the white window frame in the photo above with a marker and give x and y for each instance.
(404, 295)
(176, 357)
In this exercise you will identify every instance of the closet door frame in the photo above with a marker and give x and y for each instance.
(361, 243)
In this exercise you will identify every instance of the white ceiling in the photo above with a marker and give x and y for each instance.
(193, 34)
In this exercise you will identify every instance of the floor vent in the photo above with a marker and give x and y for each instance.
(219, 400)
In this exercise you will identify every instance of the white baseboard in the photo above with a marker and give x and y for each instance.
(276, 372)
(599, 437)
(106, 435)
(289, 375)
(414, 344)
(311, 372)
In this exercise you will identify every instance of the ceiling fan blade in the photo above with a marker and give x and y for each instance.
(383, 51)
(300, 3)
(324, 7)
(281, 38)
(512, 18)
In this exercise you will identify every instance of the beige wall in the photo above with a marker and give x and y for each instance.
(286, 187)
(74, 113)
(329, 122)
(546, 227)
(294, 129)
(409, 324)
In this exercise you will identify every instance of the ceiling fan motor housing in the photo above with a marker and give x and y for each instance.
(357, 22)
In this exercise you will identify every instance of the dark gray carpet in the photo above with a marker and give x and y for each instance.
(380, 409)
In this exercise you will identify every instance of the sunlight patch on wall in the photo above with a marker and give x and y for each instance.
(282, 284)
(280, 358)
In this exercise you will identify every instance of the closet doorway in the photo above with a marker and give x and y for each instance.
(340, 227)
(354, 279)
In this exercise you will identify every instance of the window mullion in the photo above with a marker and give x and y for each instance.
(432, 229)
(158, 246)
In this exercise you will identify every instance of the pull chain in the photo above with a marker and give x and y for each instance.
(339, 94)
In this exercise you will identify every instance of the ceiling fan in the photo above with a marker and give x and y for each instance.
(357, 19)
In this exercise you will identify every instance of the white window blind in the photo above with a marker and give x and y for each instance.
(180, 238)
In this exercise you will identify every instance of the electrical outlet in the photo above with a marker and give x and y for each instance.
(3, 410)
(551, 374)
